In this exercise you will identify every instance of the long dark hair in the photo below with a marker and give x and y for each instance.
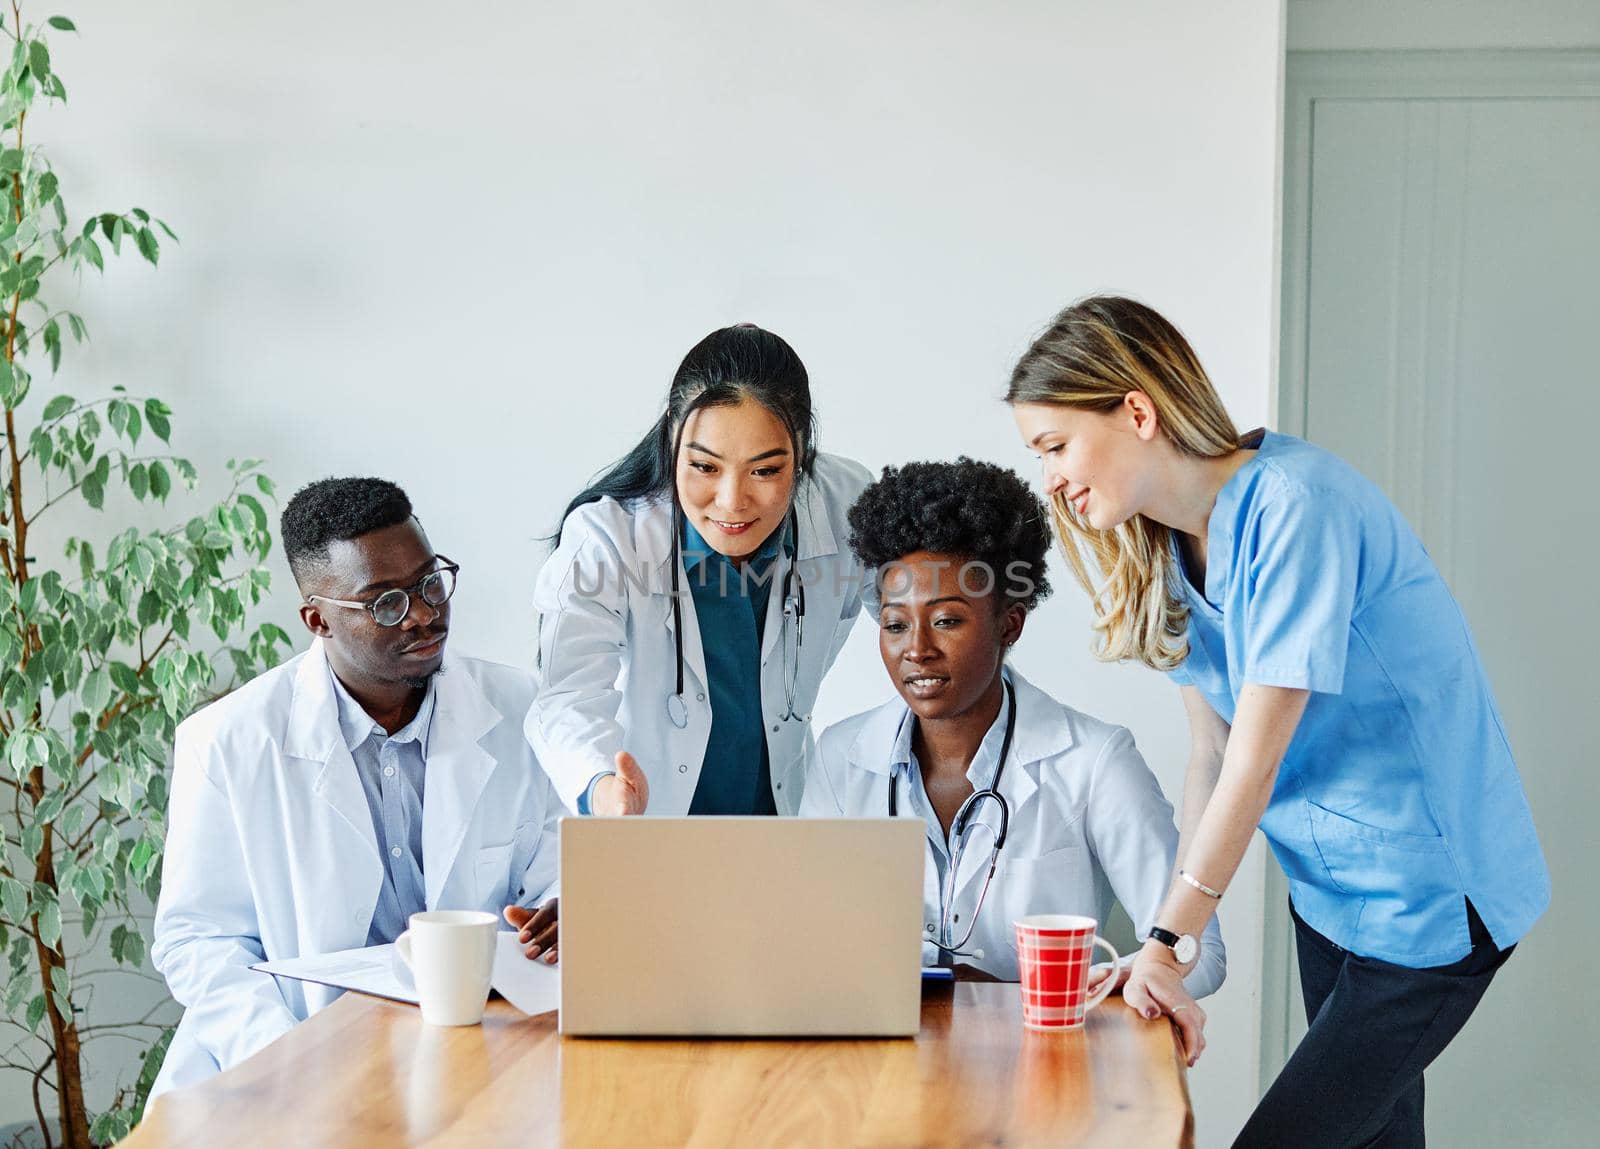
(723, 369)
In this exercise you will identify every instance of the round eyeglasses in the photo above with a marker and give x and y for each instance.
(391, 607)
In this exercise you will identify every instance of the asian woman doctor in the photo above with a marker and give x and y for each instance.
(698, 592)
(1335, 699)
(1031, 806)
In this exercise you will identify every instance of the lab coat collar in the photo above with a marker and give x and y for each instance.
(356, 725)
(313, 726)
(981, 770)
(653, 545)
(1043, 729)
(816, 525)
(652, 521)
(458, 767)
(1042, 732)
(458, 770)
(313, 734)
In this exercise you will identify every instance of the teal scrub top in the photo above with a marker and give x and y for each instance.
(1398, 797)
(730, 605)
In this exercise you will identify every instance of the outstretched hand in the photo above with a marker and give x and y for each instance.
(625, 792)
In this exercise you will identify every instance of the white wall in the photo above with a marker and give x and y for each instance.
(1443, 24)
(465, 248)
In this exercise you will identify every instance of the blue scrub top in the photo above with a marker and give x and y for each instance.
(1398, 796)
(730, 605)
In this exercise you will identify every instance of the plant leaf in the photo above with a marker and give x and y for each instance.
(50, 924)
(96, 690)
(160, 480)
(14, 899)
(159, 416)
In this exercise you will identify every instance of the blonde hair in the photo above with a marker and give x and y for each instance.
(1092, 355)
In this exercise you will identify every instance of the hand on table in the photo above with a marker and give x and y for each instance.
(1155, 987)
(537, 930)
(625, 792)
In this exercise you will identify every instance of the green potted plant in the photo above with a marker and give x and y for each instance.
(105, 645)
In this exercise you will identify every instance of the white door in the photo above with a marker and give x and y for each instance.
(1442, 332)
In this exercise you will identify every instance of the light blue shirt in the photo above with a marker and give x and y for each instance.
(1398, 796)
(392, 770)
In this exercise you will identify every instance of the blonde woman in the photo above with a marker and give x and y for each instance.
(1335, 699)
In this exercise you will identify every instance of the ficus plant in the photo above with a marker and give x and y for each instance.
(104, 645)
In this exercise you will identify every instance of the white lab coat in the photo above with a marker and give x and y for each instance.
(1088, 822)
(271, 851)
(606, 654)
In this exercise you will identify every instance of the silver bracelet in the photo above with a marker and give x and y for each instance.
(1199, 885)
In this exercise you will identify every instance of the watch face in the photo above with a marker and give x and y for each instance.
(1186, 948)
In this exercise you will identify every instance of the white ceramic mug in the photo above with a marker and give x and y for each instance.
(451, 957)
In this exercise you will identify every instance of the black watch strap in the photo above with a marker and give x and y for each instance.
(1165, 937)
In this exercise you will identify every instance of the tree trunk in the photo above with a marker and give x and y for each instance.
(63, 1029)
(69, 1068)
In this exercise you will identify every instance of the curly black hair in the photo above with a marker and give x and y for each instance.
(976, 511)
(333, 509)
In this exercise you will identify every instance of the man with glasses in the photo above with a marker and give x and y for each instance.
(374, 776)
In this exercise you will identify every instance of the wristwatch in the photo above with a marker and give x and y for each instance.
(1184, 947)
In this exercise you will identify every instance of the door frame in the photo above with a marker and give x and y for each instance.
(1310, 77)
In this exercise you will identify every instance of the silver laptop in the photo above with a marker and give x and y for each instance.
(741, 927)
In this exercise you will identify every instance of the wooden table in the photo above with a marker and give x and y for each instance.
(367, 1071)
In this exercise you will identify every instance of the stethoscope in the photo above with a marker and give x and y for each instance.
(794, 609)
(962, 823)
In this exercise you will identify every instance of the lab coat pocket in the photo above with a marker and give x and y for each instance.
(1056, 882)
(493, 876)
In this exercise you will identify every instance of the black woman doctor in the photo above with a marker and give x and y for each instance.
(699, 590)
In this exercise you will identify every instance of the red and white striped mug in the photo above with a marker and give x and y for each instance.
(1054, 952)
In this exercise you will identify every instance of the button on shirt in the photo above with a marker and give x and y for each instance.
(392, 769)
(730, 603)
(906, 773)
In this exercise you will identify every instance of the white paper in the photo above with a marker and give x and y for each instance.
(372, 969)
(531, 986)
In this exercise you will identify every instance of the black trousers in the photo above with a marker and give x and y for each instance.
(1355, 1079)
